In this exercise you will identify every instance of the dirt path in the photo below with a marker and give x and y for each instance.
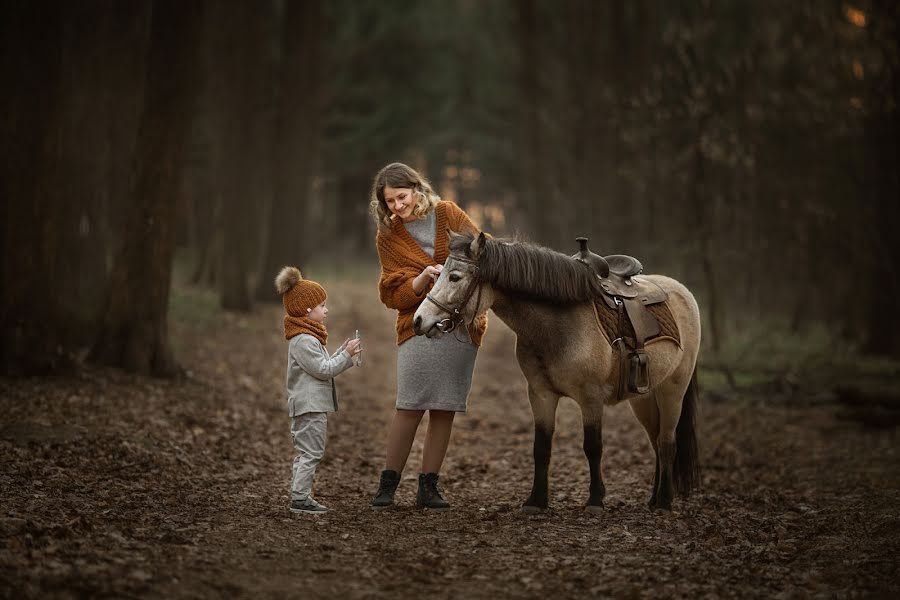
(113, 485)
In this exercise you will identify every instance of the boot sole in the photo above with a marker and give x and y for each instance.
(380, 508)
(298, 511)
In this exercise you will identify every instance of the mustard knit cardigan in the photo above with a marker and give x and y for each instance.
(402, 259)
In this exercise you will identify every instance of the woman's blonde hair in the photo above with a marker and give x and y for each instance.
(398, 175)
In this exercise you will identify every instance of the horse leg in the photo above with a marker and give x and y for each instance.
(644, 408)
(668, 401)
(593, 450)
(543, 407)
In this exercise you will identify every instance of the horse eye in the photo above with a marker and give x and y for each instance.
(454, 277)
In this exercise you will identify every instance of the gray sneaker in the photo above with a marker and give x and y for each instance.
(309, 506)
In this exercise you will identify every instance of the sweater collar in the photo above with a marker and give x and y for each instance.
(441, 241)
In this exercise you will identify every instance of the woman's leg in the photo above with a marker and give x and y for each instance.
(401, 436)
(437, 438)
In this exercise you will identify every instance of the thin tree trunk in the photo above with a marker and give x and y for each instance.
(125, 62)
(238, 48)
(581, 84)
(29, 133)
(618, 71)
(297, 143)
(353, 198)
(134, 335)
(203, 206)
(882, 321)
(84, 167)
(705, 226)
(203, 217)
(531, 188)
(882, 131)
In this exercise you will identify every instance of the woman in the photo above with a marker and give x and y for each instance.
(432, 374)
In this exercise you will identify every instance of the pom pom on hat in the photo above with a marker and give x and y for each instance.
(298, 295)
(287, 278)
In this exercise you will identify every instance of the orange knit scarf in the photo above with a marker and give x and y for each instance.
(296, 325)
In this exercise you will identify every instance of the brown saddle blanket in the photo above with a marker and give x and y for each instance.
(609, 320)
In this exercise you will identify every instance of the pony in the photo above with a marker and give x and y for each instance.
(546, 298)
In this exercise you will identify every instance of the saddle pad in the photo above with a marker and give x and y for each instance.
(609, 320)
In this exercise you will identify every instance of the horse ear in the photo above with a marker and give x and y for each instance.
(477, 246)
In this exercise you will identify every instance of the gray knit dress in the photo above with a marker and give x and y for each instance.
(434, 374)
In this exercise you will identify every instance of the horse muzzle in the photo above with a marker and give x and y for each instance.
(437, 329)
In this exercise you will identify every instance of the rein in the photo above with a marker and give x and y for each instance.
(455, 319)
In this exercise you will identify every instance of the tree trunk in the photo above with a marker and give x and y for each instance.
(589, 129)
(298, 139)
(238, 51)
(134, 335)
(125, 63)
(204, 229)
(882, 321)
(202, 204)
(532, 189)
(882, 132)
(31, 72)
(357, 226)
(704, 229)
(86, 158)
(619, 64)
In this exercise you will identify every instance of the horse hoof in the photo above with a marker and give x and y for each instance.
(595, 509)
(530, 509)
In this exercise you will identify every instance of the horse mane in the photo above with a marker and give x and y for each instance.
(530, 270)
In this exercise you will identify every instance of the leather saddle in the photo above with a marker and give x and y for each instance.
(629, 295)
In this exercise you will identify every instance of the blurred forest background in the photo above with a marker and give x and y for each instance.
(748, 148)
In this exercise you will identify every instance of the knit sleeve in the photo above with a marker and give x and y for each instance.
(395, 287)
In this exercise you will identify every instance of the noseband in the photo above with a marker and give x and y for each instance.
(455, 319)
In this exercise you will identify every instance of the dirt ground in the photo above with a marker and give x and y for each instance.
(120, 486)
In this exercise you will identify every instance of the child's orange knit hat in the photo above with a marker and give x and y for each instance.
(298, 294)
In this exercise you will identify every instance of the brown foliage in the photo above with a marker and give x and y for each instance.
(121, 485)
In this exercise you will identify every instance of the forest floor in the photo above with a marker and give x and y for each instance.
(114, 485)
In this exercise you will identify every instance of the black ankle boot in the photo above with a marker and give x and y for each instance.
(428, 495)
(386, 488)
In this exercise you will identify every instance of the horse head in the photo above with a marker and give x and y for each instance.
(460, 293)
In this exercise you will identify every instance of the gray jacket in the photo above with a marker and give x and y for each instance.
(310, 375)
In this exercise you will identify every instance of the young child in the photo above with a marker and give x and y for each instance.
(310, 379)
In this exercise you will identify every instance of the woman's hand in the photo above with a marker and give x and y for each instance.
(428, 274)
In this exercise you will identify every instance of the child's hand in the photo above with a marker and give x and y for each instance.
(353, 347)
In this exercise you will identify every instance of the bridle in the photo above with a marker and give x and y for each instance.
(455, 319)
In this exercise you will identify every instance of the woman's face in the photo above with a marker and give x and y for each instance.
(401, 202)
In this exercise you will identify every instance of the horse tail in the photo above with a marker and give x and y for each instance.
(686, 470)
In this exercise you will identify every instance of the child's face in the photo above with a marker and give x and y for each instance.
(318, 313)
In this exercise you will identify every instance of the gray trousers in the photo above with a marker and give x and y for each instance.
(309, 431)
